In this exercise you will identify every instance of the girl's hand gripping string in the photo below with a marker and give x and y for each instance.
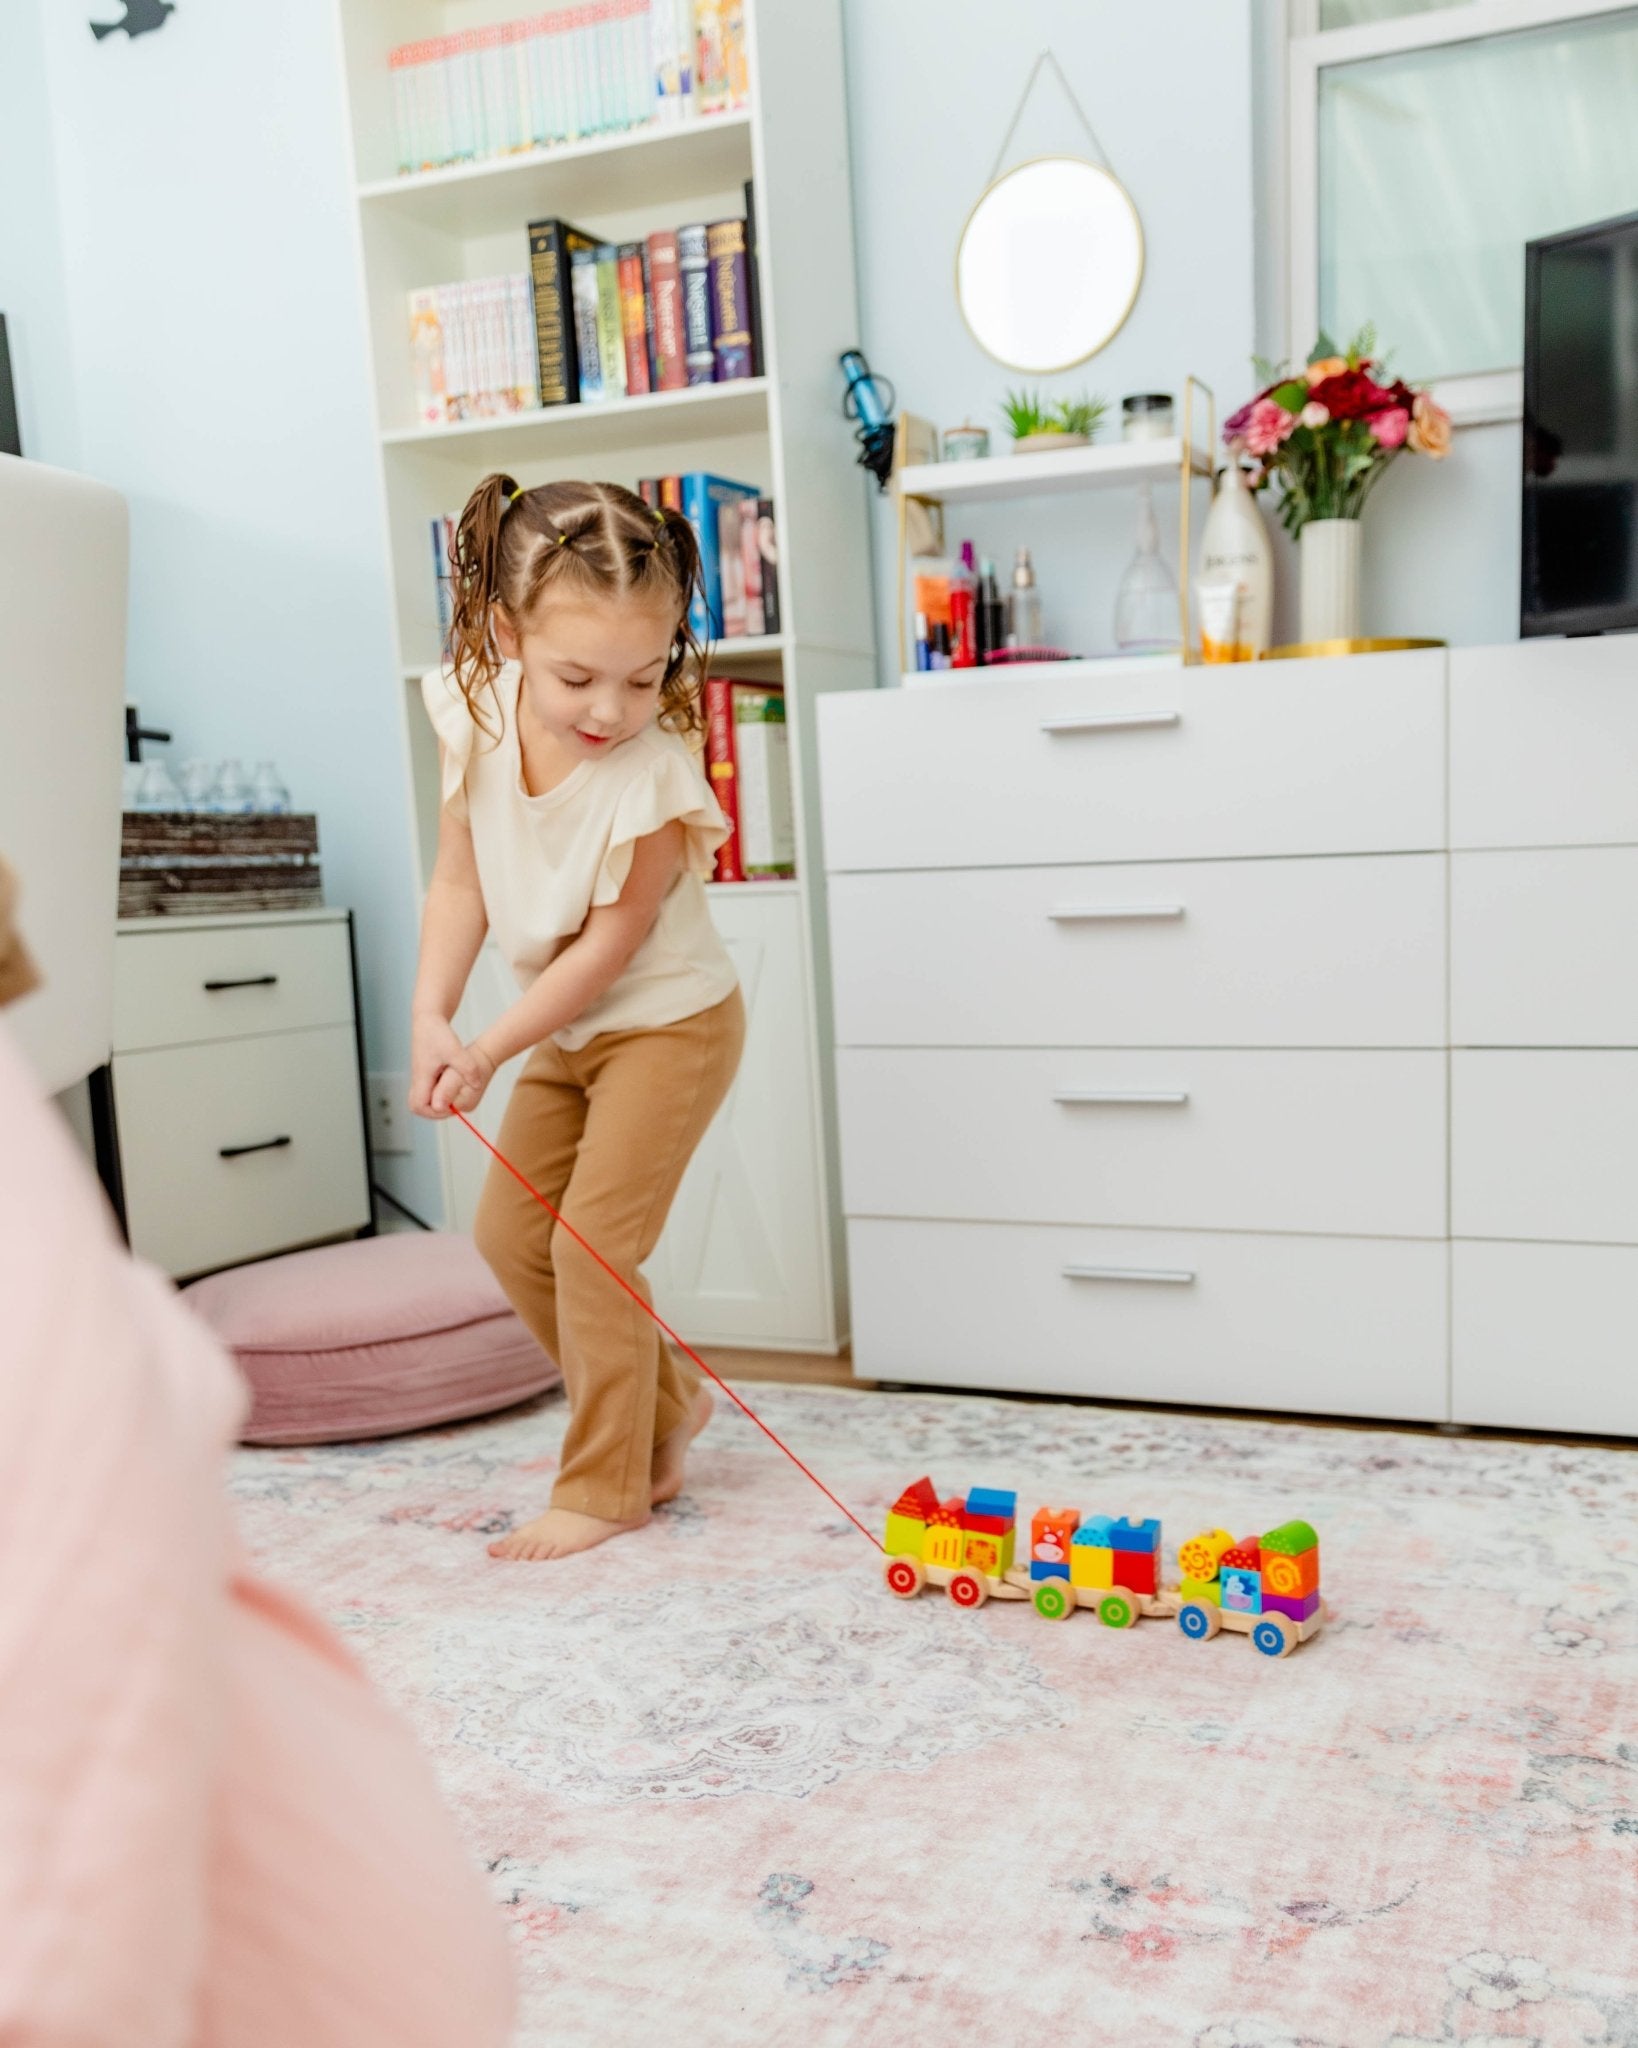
(462, 1083)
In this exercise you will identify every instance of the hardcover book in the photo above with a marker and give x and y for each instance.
(694, 264)
(611, 341)
(552, 247)
(665, 293)
(633, 319)
(702, 495)
(730, 300)
(583, 288)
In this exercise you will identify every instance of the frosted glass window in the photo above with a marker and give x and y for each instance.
(1350, 13)
(1437, 166)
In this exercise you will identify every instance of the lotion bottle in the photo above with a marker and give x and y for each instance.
(1234, 545)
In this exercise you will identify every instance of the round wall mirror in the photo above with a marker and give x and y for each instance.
(1049, 264)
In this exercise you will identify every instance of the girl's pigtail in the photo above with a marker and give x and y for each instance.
(475, 580)
(676, 550)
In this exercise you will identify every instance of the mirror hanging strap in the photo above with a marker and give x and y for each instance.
(1047, 57)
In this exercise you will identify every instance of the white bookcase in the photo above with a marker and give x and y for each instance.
(753, 1254)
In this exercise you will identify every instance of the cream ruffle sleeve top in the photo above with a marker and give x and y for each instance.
(545, 862)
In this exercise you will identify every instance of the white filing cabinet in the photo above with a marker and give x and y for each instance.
(1244, 1036)
(237, 1095)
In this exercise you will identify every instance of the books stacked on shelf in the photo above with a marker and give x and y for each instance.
(618, 320)
(443, 558)
(739, 552)
(747, 760)
(581, 71)
(472, 350)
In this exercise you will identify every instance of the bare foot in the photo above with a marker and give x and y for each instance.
(560, 1532)
(671, 1452)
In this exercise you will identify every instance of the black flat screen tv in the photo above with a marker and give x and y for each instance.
(1580, 525)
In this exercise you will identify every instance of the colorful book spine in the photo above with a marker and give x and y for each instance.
(648, 489)
(583, 293)
(750, 567)
(767, 541)
(753, 281)
(730, 301)
(427, 358)
(552, 248)
(634, 319)
(694, 266)
(665, 293)
(721, 771)
(701, 496)
(762, 784)
(443, 550)
(611, 343)
(731, 564)
(671, 493)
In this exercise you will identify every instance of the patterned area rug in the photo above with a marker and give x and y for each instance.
(731, 1791)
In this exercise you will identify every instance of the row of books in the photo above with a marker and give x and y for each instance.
(738, 540)
(618, 320)
(472, 349)
(592, 322)
(565, 76)
(748, 764)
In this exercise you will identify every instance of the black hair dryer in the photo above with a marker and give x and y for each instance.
(869, 402)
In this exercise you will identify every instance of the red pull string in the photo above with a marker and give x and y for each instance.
(564, 1224)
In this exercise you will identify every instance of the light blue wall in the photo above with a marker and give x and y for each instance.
(932, 85)
(33, 284)
(218, 376)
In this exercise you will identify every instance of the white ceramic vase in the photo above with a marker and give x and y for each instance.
(1330, 580)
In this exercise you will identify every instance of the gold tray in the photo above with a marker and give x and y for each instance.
(1300, 650)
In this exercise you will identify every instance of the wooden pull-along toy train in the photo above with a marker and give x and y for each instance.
(1266, 1587)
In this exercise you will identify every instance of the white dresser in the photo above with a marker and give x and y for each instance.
(1144, 989)
(237, 1096)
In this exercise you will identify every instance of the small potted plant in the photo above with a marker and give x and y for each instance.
(1038, 425)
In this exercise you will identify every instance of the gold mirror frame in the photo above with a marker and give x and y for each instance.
(995, 184)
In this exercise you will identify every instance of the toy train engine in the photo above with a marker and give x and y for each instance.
(1266, 1587)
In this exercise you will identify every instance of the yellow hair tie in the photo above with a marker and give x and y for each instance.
(563, 540)
(514, 496)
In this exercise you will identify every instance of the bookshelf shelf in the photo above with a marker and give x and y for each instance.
(606, 174)
(740, 407)
(725, 654)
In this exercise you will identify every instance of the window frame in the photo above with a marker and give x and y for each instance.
(1482, 397)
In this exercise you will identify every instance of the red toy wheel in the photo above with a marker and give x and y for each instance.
(969, 1589)
(905, 1577)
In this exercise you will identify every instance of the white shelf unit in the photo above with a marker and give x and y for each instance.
(753, 1254)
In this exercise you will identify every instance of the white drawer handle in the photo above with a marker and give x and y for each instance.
(1154, 1276)
(1112, 721)
(1111, 913)
(1123, 1095)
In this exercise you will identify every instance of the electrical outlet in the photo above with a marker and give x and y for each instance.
(389, 1113)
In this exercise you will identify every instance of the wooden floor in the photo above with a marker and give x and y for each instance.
(790, 1368)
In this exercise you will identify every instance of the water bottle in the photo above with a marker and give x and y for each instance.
(269, 794)
(231, 795)
(197, 778)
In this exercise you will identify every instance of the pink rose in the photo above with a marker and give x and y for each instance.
(1269, 425)
(1391, 427)
(1313, 415)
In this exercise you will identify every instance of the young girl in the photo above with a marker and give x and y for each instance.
(576, 829)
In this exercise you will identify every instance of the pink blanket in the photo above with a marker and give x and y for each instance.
(212, 1833)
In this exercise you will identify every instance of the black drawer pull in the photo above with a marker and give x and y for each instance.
(249, 981)
(239, 1151)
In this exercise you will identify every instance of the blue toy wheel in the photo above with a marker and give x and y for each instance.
(1198, 1621)
(1274, 1636)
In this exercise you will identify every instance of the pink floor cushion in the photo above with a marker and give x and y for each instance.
(370, 1338)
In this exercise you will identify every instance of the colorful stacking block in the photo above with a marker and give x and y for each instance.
(1090, 1564)
(1096, 1529)
(1293, 1578)
(1199, 1558)
(1205, 1591)
(905, 1535)
(1242, 1591)
(1291, 1537)
(991, 1555)
(988, 1525)
(1244, 1556)
(990, 1500)
(1127, 1534)
(945, 1536)
(1136, 1570)
(1050, 1535)
(1294, 1610)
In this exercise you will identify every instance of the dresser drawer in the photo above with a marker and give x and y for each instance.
(1544, 947)
(1545, 1145)
(1545, 1336)
(191, 1209)
(1300, 757)
(1221, 953)
(1544, 743)
(1344, 1326)
(1350, 1143)
(232, 981)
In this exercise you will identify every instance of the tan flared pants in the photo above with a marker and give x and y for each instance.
(605, 1134)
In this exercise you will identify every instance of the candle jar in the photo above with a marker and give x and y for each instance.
(1146, 416)
(965, 444)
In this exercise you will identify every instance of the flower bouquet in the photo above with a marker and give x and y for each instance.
(1328, 431)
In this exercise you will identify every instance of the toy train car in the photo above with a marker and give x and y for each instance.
(1266, 1586)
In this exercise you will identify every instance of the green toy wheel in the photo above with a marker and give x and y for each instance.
(1054, 1599)
(1117, 1610)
